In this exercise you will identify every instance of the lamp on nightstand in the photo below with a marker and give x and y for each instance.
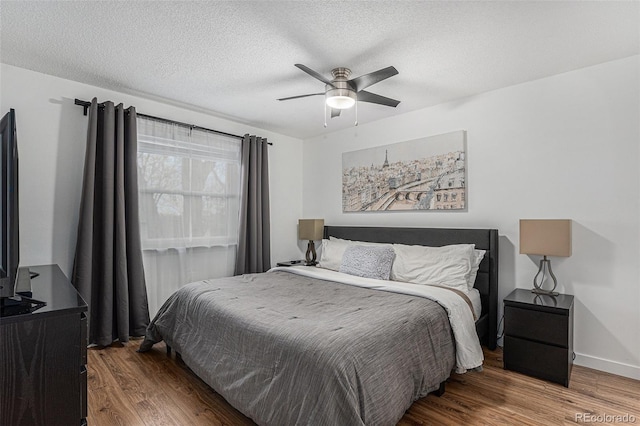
(545, 237)
(310, 229)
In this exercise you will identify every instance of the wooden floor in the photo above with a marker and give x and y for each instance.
(128, 388)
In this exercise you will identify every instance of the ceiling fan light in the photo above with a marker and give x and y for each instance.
(340, 102)
(340, 98)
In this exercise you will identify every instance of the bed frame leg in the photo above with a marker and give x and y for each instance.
(440, 390)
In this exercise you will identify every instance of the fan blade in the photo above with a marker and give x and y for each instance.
(364, 81)
(300, 96)
(365, 96)
(315, 75)
(335, 112)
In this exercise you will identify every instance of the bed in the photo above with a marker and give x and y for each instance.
(309, 346)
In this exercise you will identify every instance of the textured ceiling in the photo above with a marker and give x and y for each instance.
(234, 59)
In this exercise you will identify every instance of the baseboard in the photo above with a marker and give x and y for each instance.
(613, 367)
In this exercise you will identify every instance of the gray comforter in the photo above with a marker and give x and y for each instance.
(286, 349)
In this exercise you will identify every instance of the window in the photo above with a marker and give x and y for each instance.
(189, 184)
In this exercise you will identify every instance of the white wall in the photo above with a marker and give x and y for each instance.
(566, 146)
(51, 142)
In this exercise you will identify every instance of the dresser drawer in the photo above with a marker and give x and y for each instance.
(83, 338)
(538, 360)
(544, 327)
(83, 392)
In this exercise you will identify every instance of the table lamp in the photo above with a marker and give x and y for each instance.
(310, 229)
(545, 237)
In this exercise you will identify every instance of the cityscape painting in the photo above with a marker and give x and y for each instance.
(421, 174)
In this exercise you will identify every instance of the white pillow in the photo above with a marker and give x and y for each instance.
(448, 265)
(333, 250)
(475, 265)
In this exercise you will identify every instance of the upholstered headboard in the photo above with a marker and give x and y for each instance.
(485, 239)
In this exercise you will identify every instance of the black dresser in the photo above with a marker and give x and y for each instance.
(43, 356)
(538, 335)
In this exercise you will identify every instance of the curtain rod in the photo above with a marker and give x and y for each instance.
(87, 104)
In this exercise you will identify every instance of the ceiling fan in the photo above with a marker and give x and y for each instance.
(342, 93)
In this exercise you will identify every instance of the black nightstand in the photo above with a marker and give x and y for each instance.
(538, 335)
(291, 263)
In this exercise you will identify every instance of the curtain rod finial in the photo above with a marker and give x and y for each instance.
(84, 104)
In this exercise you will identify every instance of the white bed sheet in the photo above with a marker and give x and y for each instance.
(474, 296)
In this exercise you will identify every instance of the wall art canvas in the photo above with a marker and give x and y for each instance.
(422, 174)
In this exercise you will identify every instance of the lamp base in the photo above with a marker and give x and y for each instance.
(310, 255)
(545, 265)
(544, 292)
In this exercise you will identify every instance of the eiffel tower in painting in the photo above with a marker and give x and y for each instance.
(386, 159)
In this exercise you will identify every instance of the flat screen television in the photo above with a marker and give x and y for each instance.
(9, 227)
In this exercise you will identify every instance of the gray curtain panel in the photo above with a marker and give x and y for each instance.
(107, 269)
(254, 244)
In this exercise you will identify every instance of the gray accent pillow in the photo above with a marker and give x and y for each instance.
(368, 261)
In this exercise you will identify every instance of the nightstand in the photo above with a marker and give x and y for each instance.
(291, 263)
(538, 335)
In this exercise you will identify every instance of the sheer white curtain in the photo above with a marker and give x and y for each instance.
(189, 184)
